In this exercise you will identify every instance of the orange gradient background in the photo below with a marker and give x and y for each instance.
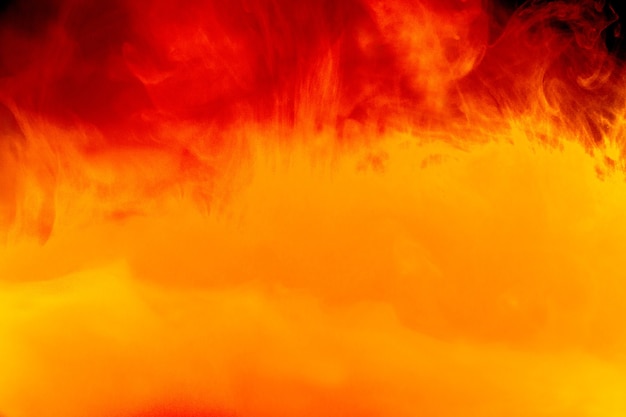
(273, 208)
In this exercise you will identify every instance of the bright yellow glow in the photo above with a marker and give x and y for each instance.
(276, 208)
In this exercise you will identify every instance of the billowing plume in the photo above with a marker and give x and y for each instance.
(277, 208)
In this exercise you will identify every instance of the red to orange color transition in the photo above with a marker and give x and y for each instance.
(277, 208)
